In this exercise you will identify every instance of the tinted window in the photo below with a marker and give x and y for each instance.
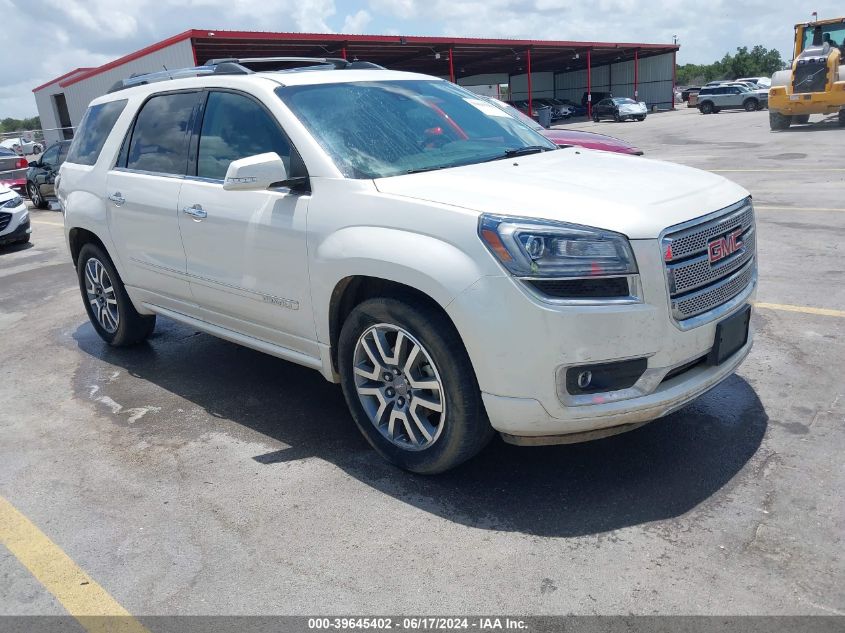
(51, 157)
(706, 91)
(63, 150)
(233, 127)
(160, 138)
(93, 132)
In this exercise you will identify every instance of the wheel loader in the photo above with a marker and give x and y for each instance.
(815, 84)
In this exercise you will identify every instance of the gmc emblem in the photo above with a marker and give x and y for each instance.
(721, 247)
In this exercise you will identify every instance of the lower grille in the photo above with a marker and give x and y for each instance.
(5, 218)
(710, 261)
(583, 288)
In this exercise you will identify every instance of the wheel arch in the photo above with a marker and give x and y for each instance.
(355, 289)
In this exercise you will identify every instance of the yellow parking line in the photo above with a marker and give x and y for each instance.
(764, 207)
(804, 309)
(83, 598)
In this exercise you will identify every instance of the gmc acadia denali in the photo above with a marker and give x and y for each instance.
(457, 273)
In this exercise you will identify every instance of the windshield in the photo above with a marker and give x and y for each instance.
(520, 116)
(376, 129)
(833, 33)
(623, 101)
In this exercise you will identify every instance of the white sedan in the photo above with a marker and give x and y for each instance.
(21, 146)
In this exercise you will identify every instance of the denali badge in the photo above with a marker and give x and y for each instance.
(721, 247)
(290, 304)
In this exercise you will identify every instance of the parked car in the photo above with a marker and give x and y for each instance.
(41, 175)
(760, 82)
(577, 109)
(685, 93)
(14, 218)
(456, 272)
(595, 98)
(21, 146)
(724, 97)
(568, 138)
(761, 93)
(13, 171)
(619, 109)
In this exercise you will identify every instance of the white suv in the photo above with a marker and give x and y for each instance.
(453, 270)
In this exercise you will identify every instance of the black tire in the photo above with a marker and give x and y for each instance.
(35, 195)
(778, 121)
(132, 327)
(750, 105)
(842, 118)
(466, 429)
(617, 118)
(801, 118)
(641, 118)
(706, 107)
(595, 118)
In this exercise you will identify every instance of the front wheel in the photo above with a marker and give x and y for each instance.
(595, 118)
(641, 118)
(410, 386)
(35, 195)
(109, 308)
(706, 108)
(778, 121)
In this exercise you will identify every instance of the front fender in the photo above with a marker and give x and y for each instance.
(437, 268)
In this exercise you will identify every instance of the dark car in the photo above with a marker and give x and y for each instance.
(619, 109)
(41, 175)
(13, 170)
(596, 97)
(685, 93)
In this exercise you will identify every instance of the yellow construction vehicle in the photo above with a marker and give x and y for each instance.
(816, 82)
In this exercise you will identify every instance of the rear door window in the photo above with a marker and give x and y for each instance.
(235, 126)
(159, 142)
(93, 131)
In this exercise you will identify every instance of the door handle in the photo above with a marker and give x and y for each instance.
(196, 212)
(117, 198)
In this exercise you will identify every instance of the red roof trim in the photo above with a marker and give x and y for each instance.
(210, 34)
(131, 57)
(65, 76)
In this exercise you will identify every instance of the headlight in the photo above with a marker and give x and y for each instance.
(11, 203)
(540, 248)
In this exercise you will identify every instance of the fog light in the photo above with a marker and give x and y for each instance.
(603, 377)
(584, 379)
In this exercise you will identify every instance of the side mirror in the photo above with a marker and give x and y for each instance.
(255, 173)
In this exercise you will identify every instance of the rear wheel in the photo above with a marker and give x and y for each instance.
(410, 386)
(750, 105)
(706, 107)
(778, 121)
(109, 308)
(35, 195)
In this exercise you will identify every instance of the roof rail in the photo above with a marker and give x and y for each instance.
(238, 66)
(139, 79)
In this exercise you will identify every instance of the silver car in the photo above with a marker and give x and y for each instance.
(727, 97)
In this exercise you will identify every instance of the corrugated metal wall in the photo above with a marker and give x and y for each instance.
(80, 94)
(542, 85)
(655, 81)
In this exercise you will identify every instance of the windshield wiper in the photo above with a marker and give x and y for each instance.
(521, 151)
(422, 169)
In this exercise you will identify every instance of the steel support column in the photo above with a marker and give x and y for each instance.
(674, 77)
(343, 52)
(589, 84)
(451, 66)
(528, 64)
(636, 74)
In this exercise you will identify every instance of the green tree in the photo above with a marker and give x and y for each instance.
(758, 62)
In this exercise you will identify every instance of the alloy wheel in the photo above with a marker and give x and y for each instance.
(99, 290)
(34, 195)
(399, 387)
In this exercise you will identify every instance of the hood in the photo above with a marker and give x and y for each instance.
(631, 195)
(591, 140)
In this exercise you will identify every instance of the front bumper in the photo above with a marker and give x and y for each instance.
(17, 233)
(523, 344)
(809, 102)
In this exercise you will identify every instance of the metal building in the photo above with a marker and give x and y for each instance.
(531, 68)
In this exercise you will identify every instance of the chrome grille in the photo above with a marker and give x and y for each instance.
(696, 285)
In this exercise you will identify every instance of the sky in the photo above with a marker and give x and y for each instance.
(51, 37)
